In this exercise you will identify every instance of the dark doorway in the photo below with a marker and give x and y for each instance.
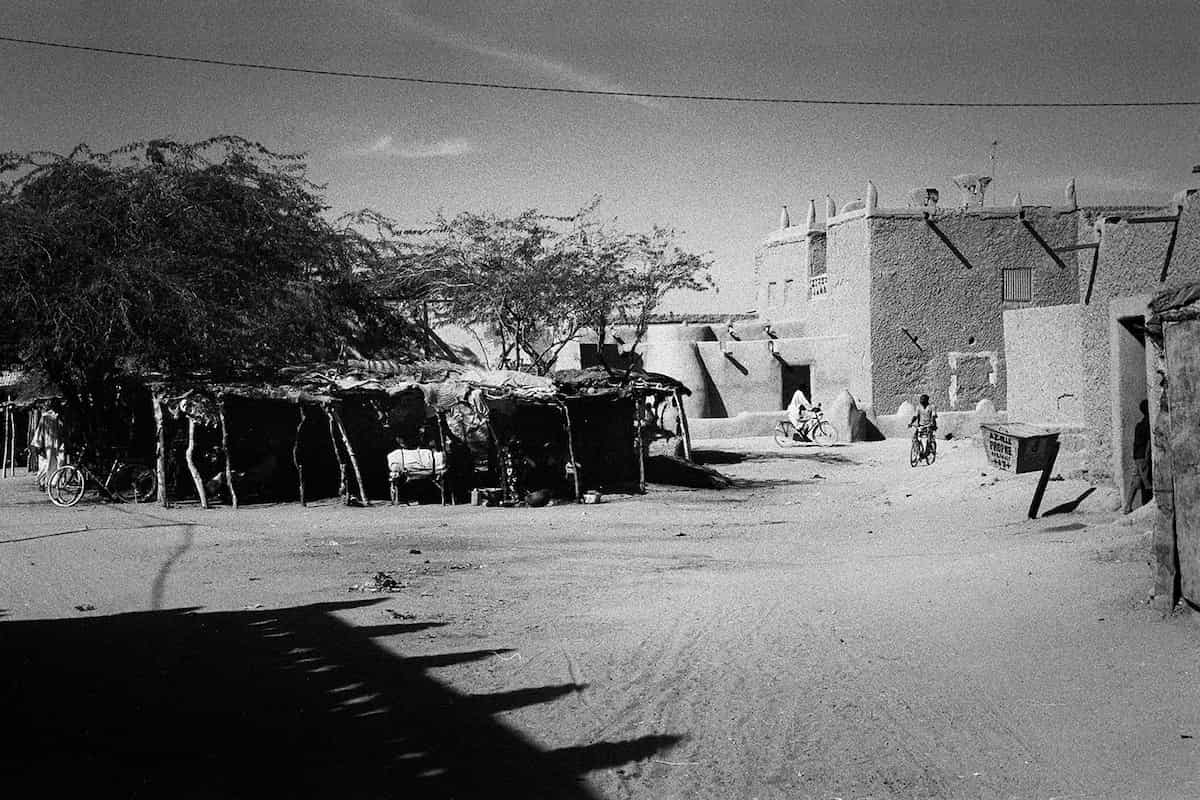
(791, 378)
(1132, 430)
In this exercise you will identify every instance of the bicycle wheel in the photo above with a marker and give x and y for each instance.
(65, 486)
(141, 487)
(783, 436)
(914, 455)
(823, 433)
(931, 451)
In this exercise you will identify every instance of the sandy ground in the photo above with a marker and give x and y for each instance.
(838, 625)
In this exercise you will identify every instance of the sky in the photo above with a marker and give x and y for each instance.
(716, 172)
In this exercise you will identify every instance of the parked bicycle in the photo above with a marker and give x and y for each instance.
(924, 446)
(814, 428)
(124, 483)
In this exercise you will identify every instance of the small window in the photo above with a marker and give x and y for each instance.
(1018, 285)
(772, 290)
(788, 291)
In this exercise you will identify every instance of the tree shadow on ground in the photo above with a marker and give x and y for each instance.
(292, 702)
(822, 456)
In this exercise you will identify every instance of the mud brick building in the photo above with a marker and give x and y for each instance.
(887, 303)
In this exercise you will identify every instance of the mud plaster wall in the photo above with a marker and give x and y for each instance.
(1043, 353)
(843, 313)
(1127, 274)
(955, 313)
(827, 333)
(747, 375)
(781, 273)
(671, 350)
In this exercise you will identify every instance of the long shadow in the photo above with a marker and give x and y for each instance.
(821, 455)
(92, 530)
(1071, 505)
(276, 703)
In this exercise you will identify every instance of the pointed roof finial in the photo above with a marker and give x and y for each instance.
(1017, 203)
(830, 207)
(872, 196)
(811, 218)
(1072, 203)
(784, 220)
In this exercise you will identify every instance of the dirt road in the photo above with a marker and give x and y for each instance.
(837, 625)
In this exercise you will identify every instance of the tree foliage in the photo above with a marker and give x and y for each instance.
(214, 257)
(533, 282)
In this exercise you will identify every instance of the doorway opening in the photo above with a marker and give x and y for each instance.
(791, 378)
(1131, 437)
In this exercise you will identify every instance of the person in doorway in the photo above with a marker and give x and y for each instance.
(925, 419)
(798, 409)
(1140, 476)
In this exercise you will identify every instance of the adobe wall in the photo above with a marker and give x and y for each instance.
(827, 332)
(1127, 275)
(781, 266)
(937, 325)
(746, 373)
(1043, 353)
(671, 350)
(843, 314)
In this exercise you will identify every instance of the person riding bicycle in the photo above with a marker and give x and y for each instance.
(799, 409)
(925, 420)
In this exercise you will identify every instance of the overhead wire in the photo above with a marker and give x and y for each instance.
(711, 98)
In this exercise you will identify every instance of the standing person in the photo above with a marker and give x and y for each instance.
(1140, 477)
(49, 441)
(925, 419)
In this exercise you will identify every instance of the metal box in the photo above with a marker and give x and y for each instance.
(1018, 446)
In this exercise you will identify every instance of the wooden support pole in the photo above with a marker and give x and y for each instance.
(1038, 237)
(1142, 220)
(946, 241)
(437, 418)
(296, 454)
(160, 457)
(638, 410)
(1087, 298)
(30, 429)
(4, 458)
(362, 489)
(683, 426)
(343, 488)
(191, 463)
(571, 450)
(1170, 248)
(1044, 479)
(233, 498)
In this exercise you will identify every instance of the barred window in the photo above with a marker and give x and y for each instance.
(1018, 285)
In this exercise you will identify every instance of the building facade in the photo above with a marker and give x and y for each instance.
(885, 303)
(1085, 365)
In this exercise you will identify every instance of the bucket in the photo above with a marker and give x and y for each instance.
(591, 497)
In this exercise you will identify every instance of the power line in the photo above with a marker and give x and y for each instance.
(712, 98)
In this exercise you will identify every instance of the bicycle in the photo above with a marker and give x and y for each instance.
(814, 428)
(125, 483)
(924, 446)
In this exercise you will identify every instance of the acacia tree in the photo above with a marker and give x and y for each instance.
(213, 258)
(534, 283)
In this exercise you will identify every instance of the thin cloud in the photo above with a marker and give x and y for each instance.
(444, 148)
(531, 62)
